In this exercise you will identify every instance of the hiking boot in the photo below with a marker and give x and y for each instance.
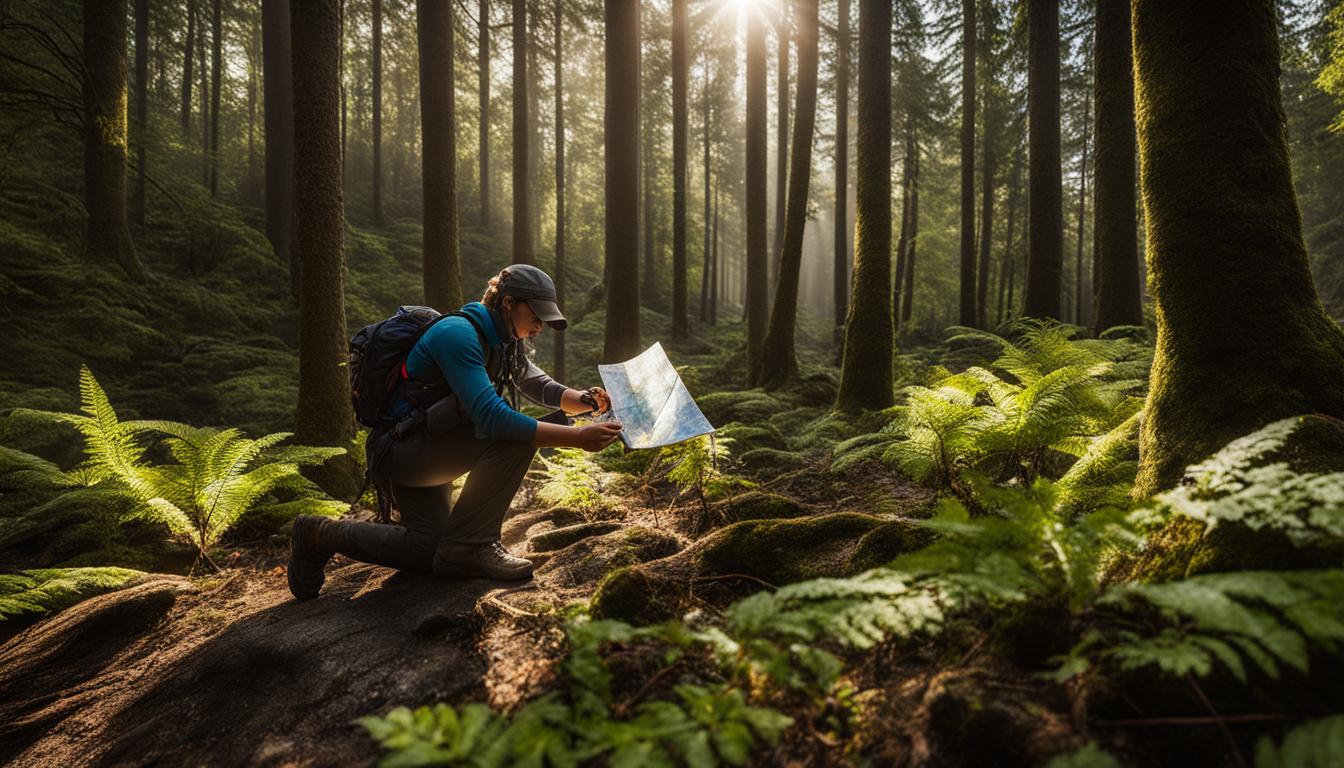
(308, 554)
(490, 561)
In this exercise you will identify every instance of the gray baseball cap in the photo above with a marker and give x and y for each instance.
(534, 286)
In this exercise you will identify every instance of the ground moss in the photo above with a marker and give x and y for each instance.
(770, 462)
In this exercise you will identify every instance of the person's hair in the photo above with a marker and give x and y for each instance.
(492, 295)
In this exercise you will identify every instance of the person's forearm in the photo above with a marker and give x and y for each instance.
(571, 401)
(555, 436)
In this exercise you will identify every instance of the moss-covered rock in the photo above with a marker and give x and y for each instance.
(519, 527)
(589, 559)
(756, 505)
(559, 538)
(747, 437)
(886, 542)
(770, 462)
(739, 559)
(750, 406)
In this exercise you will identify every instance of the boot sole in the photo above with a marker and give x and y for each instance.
(289, 573)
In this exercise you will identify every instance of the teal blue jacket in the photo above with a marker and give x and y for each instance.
(452, 346)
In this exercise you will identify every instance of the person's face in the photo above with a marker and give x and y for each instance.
(525, 322)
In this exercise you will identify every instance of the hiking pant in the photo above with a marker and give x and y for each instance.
(421, 471)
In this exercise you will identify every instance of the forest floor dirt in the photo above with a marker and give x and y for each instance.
(231, 670)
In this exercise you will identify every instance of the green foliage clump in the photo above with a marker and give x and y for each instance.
(1266, 617)
(1040, 406)
(705, 725)
(218, 474)
(1243, 484)
(1316, 744)
(43, 591)
(572, 478)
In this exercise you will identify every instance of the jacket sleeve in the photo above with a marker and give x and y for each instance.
(456, 350)
(537, 386)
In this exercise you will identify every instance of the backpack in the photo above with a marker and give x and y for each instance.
(377, 355)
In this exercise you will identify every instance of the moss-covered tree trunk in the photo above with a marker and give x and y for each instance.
(704, 274)
(757, 313)
(106, 235)
(903, 240)
(141, 105)
(483, 103)
(782, 30)
(560, 266)
(865, 372)
(841, 255)
(438, 127)
(216, 73)
(779, 361)
(967, 314)
(323, 415)
(376, 52)
(1045, 209)
(1115, 253)
(621, 137)
(1242, 337)
(908, 300)
(714, 279)
(1009, 267)
(278, 116)
(680, 127)
(522, 216)
(188, 56)
(1079, 316)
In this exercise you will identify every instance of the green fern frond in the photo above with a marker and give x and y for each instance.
(1317, 744)
(47, 590)
(1237, 485)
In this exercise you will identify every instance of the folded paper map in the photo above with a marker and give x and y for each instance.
(651, 401)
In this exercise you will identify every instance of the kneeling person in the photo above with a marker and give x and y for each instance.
(476, 356)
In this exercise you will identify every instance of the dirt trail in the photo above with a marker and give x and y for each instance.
(238, 672)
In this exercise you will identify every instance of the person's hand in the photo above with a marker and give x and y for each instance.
(602, 401)
(595, 437)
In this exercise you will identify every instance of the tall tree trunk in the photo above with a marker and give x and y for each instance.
(377, 74)
(908, 301)
(841, 255)
(141, 104)
(1078, 315)
(345, 152)
(106, 235)
(188, 55)
(704, 274)
(621, 135)
(204, 88)
(438, 128)
(1010, 266)
(522, 215)
(781, 137)
(483, 84)
(278, 115)
(649, 273)
(903, 240)
(714, 264)
(533, 137)
(1115, 286)
(1045, 219)
(865, 375)
(323, 415)
(779, 361)
(680, 128)
(559, 275)
(253, 66)
(216, 72)
(989, 161)
(968, 293)
(757, 264)
(1242, 338)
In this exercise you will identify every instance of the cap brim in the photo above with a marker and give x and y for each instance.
(549, 313)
